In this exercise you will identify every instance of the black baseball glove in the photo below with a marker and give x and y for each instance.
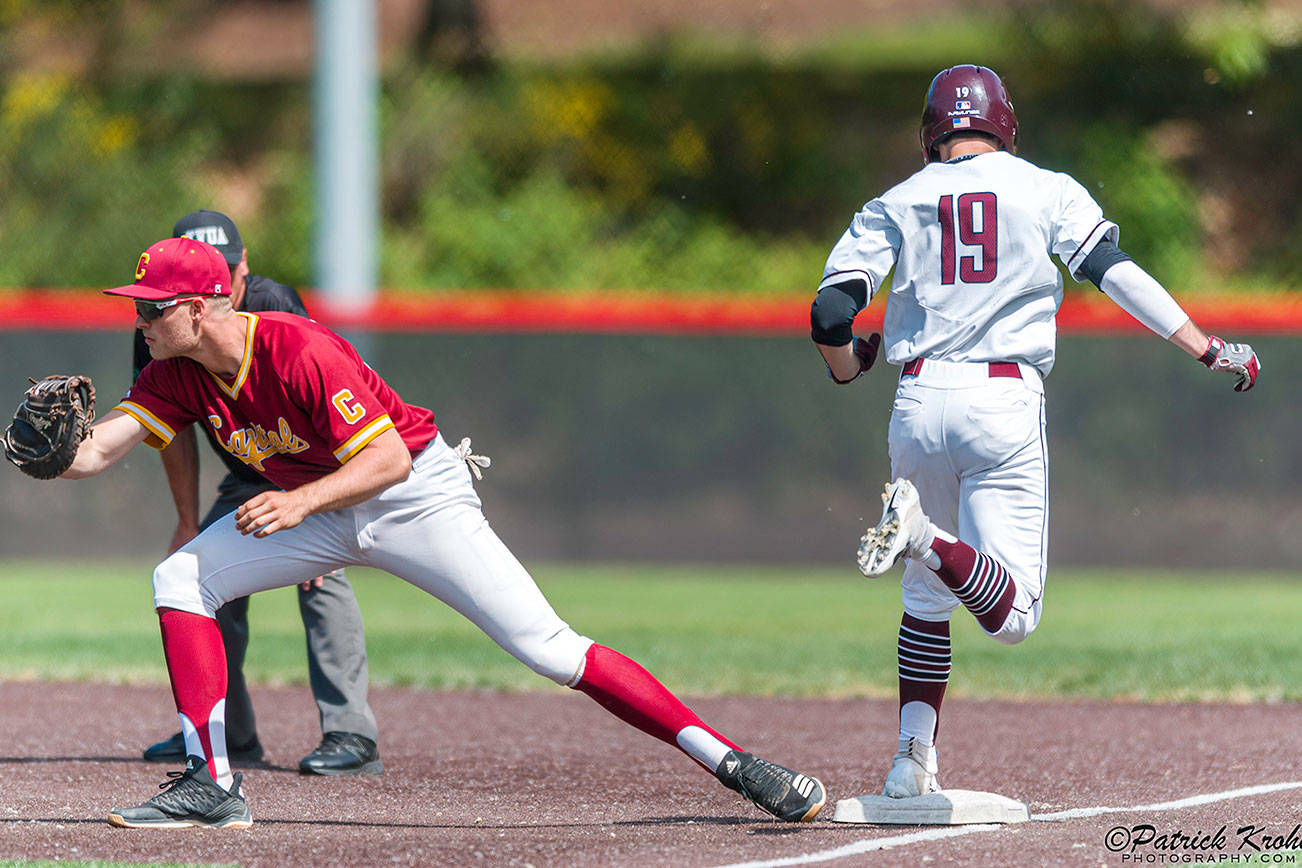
(50, 423)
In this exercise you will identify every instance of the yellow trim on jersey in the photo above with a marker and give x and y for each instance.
(160, 433)
(361, 438)
(233, 390)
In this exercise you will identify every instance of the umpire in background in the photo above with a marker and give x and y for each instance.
(336, 644)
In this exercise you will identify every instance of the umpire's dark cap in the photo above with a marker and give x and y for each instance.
(215, 228)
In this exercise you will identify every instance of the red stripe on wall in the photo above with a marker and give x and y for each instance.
(634, 312)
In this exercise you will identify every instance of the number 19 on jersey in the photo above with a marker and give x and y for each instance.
(975, 215)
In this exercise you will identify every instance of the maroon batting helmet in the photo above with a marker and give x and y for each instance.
(967, 98)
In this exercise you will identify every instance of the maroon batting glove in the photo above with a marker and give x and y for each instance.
(1237, 359)
(866, 350)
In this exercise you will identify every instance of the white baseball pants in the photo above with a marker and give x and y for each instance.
(974, 447)
(428, 530)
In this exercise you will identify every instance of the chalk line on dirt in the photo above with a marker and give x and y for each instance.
(888, 842)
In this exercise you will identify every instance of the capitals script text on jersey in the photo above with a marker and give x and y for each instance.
(253, 444)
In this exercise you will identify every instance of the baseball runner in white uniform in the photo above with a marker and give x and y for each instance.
(970, 319)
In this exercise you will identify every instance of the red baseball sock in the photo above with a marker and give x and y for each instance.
(979, 581)
(634, 695)
(196, 663)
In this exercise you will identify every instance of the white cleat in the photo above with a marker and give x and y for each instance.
(901, 531)
(913, 772)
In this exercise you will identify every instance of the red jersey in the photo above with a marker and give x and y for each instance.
(301, 404)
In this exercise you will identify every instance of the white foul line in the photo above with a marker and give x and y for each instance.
(1191, 802)
(869, 844)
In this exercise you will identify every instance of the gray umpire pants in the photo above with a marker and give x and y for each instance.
(336, 648)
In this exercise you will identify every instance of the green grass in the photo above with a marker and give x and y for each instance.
(713, 630)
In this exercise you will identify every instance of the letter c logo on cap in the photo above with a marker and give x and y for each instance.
(140, 266)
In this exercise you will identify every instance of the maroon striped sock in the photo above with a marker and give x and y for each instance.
(924, 659)
(979, 581)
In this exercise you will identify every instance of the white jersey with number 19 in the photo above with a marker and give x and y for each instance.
(970, 241)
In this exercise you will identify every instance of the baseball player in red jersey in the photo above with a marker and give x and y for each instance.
(332, 622)
(367, 479)
(970, 320)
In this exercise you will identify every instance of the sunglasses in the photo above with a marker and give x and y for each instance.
(152, 310)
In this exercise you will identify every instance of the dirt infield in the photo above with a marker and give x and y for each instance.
(549, 779)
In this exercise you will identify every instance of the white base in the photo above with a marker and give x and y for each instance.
(946, 808)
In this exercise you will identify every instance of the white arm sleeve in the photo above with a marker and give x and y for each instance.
(1141, 296)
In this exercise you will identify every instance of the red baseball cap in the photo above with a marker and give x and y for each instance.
(178, 266)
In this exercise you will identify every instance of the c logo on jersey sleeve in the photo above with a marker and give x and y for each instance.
(352, 413)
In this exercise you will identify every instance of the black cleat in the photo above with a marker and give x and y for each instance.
(785, 794)
(343, 753)
(189, 798)
(172, 750)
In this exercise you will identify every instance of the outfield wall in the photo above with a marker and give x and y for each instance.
(700, 447)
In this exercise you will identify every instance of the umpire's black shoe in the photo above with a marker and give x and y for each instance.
(189, 798)
(785, 794)
(172, 750)
(343, 753)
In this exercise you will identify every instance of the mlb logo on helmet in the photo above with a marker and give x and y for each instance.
(963, 105)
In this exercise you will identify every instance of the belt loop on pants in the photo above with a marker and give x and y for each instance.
(995, 369)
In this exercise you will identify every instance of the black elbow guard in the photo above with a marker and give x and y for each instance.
(833, 312)
(1104, 255)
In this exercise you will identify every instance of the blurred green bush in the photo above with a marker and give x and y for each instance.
(686, 164)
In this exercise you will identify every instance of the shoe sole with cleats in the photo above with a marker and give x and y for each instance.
(882, 546)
